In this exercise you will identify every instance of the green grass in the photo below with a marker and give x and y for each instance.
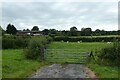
(14, 65)
(104, 71)
(67, 52)
(89, 46)
(100, 71)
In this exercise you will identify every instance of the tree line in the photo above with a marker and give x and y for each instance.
(11, 29)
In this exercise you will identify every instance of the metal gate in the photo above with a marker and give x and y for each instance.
(66, 55)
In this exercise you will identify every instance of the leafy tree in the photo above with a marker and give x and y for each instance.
(86, 31)
(118, 32)
(97, 32)
(53, 31)
(11, 29)
(24, 30)
(45, 31)
(35, 28)
(103, 32)
(27, 30)
(73, 31)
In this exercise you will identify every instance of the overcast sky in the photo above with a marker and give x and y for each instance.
(61, 15)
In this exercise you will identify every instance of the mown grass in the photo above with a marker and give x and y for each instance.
(14, 64)
(99, 70)
(89, 46)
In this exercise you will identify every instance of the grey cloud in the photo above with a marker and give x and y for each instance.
(49, 14)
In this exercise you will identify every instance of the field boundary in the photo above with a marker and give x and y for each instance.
(66, 55)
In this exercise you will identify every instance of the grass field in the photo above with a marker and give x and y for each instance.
(63, 51)
(14, 65)
(89, 46)
(100, 71)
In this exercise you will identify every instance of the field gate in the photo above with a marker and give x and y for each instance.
(66, 55)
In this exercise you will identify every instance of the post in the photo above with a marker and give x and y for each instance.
(44, 54)
(91, 55)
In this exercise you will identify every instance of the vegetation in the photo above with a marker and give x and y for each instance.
(60, 49)
(107, 62)
(14, 42)
(87, 38)
(89, 46)
(106, 55)
(72, 32)
(110, 55)
(13, 58)
(15, 65)
(11, 29)
(102, 71)
(36, 48)
(35, 28)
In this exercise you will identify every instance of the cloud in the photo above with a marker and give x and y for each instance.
(60, 15)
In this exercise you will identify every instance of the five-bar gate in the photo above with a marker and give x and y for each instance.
(66, 55)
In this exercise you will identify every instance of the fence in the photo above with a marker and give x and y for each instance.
(66, 55)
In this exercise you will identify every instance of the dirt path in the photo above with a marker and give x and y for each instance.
(63, 71)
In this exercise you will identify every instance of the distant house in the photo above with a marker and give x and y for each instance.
(29, 33)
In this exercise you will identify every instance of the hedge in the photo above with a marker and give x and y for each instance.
(36, 46)
(86, 39)
(14, 42)
(110, 55)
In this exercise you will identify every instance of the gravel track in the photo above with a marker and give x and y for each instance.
(64, 71)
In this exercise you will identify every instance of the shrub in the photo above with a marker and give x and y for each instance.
(10, 42)
(35, 49)
(49, 39)
(110, 55)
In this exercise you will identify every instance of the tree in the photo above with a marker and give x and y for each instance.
(86, 31)
(24, 30)
(97, 32)
(103, 32)
(45, 31)
(11, 29)
(27, 30)
(53, 31)
(35, 28)
(73, 31)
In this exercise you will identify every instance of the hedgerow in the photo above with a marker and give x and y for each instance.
(110, 55)
(36, 46)
(85, 39)
(13, 42)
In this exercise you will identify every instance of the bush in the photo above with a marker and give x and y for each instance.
(35, 49)
(12, 42)
(49, 39)
(110, 55)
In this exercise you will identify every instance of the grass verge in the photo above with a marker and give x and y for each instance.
(14, 64)
(104, 71)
